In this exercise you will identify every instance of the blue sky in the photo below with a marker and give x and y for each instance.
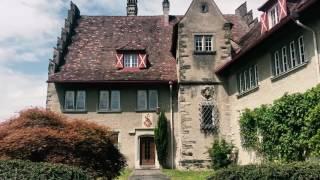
(29, 29)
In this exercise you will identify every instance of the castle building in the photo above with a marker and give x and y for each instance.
(202, 69)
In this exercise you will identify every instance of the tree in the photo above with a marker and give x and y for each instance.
(43, 136)
(161, 139)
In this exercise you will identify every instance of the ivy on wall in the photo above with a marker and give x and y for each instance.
(287, 130)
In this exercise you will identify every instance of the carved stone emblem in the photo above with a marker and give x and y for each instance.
(207, 92)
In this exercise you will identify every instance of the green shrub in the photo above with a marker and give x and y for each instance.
(25, 170)
(221, 154)
(161, 138)
(286, 131)
(43, 136)
(292, 171)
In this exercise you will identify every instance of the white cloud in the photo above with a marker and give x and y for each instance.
(19, 91)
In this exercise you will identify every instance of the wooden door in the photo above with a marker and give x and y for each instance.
(147, 151)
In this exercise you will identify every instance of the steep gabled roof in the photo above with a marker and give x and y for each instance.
(92, 53)
(92, 42)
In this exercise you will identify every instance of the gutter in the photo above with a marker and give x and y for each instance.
(171, 125)
(315, 43)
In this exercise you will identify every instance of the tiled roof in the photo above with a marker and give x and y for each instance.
(91, 55)
(254, 37)
(240, 27)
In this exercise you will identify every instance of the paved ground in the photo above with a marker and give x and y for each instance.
(148, 175)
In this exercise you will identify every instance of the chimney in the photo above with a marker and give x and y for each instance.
(166, 9)
(132, 8)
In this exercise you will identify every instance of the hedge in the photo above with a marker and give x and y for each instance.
(26, 170)
(292, 171)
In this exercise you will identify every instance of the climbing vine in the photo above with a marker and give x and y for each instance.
(287, 130)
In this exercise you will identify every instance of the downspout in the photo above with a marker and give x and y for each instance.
(171, 125)
(315, 43)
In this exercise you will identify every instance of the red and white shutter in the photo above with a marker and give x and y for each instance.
(119, 62)
(283, 10)
(142, 61)
(264, 23)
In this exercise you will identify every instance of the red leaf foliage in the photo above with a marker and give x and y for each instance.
(44, 136)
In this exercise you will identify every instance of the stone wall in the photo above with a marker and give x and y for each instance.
(196, 73)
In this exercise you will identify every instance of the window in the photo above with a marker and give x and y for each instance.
(273, 16)
(109, 101)
(247, 79)
(130, 60)
(293, 54)
(301, 49)
(289, 60)
(75, 101)
(204, 7)
(285, 59)
(203, 43)
(207, 116)
(147, 100)
(114, 138)
(199, 45)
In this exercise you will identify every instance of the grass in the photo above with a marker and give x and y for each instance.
(125, 174)
(187, 175)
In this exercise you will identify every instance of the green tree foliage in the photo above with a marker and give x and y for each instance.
(292, 171)
(25, 170)
(43, 136)
(287, 130)
(221, 154)
(161, 138)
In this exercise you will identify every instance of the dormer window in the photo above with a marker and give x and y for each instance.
(130, 60)
(273, 16)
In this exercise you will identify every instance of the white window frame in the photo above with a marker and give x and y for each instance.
(285, 62)
(129, 61)
(248, 79)
(203, 43)
(275, 21)
(293, 54)
(277, 67)
(301, 45)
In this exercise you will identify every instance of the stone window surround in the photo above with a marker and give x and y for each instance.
(75, 99)
(203, 49)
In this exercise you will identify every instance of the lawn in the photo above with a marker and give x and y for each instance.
(187, 175)
(125, 174)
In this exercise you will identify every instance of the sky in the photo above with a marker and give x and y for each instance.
(28, 33)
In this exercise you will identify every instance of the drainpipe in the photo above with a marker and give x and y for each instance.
(315, 43)
(171, 124)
